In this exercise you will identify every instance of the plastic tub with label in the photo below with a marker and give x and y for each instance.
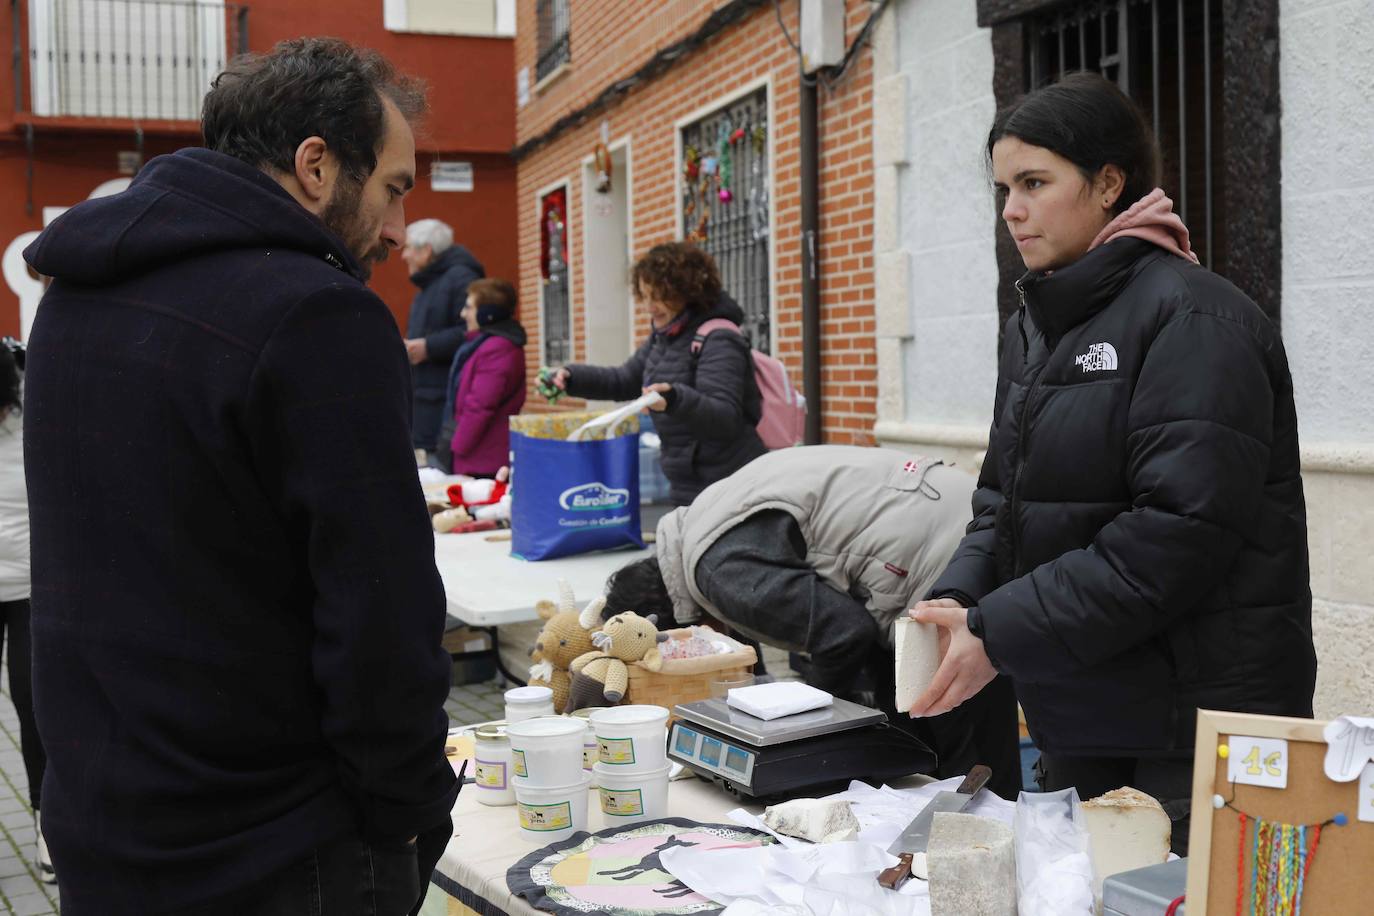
(632, 739)
(547, 751)
(548, 814)
(627, 798)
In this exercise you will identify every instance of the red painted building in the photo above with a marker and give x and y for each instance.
(96, 87)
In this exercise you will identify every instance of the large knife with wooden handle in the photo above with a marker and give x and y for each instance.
(917, 834)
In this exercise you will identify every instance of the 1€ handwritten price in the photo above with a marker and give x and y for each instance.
(1258, 762)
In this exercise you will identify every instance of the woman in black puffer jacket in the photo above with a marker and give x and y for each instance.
(711, 403)
(1139, 544)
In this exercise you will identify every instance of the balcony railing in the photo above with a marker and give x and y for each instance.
(553, 47)
(123, 59)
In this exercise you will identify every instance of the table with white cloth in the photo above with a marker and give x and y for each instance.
(487, 842)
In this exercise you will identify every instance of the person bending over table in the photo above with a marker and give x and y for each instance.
(819, 549)
(1139, 547)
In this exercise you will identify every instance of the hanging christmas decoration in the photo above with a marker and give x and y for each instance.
(692, 165)
(553, 247)
(727, 169)
(601, 157)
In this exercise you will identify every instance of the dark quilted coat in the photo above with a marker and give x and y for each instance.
(1139, 545)
(708, 431)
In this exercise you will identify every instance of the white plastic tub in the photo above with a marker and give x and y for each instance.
(589, 739)
(548, 814)
(632, 739)
(627, 798)
(528, 702)
(546, 751)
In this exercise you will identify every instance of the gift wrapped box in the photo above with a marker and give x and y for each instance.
(561, 425)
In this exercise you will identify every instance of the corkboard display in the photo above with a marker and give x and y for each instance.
(1343, 870)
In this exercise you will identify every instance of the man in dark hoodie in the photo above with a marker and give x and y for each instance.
(236, 617)
(442, 270)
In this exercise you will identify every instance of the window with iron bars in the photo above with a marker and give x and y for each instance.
(725, 204)
(554, 49)
(1167, 56)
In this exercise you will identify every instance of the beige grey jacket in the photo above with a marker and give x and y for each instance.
(878, 523)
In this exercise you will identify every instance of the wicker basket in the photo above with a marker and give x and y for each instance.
(684, 680)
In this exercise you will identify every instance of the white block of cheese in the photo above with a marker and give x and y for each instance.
(918, 655)
(819, 820)
(1126, 829)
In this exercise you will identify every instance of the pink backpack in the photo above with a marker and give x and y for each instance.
(782, 423)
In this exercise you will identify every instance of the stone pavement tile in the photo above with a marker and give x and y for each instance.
(31, 905)
(16, 820)
(19, 885)
(10, 863)
(9, 804)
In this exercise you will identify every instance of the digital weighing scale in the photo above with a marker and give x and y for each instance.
(763, 758)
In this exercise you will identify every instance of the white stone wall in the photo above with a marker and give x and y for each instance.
(935, 216)
(1326, 54)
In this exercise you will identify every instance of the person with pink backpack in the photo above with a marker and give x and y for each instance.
(714, 404)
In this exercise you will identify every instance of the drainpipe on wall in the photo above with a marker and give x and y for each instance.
(809, 126)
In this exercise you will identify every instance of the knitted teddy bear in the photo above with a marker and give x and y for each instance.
(565, 636)
(600, 678)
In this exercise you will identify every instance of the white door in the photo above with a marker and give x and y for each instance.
(606, 265)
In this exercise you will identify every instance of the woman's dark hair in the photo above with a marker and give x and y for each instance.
(262, 106)
(10, 356)
(677, 272)
(639, 587)
(1089, 121)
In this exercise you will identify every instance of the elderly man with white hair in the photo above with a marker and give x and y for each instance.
(442, 270)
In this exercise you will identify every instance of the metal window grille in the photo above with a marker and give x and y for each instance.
(554, 48)
(125, 58)
(557, 319)
(734, 232)
(1167, 56)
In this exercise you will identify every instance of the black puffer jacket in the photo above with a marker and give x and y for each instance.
(1139, 542)
(708, 429)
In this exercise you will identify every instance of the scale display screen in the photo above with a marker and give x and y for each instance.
(711, 753)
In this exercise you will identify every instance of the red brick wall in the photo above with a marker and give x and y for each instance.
(612, 38)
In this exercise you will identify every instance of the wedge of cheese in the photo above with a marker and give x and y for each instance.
(1126, 829)
(819, 820)
(918, 655)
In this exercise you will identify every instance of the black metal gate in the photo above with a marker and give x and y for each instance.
(1167, 55)
(725, 204)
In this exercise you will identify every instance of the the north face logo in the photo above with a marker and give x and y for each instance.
(1100, 357)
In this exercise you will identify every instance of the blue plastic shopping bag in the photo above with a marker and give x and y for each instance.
(573, 497)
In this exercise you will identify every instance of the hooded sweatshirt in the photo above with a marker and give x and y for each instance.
(236, 614)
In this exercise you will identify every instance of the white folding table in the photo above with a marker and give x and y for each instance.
(487, 587)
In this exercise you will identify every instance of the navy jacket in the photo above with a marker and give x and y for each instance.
(708, 431)
(435, 316)
(236, 614)
(1139, 541)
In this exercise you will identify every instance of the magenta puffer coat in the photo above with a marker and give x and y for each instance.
(491, 389)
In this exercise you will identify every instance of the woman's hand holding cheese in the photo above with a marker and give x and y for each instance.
(964, 665)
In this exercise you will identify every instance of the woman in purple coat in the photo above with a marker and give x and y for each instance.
(486, 382)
